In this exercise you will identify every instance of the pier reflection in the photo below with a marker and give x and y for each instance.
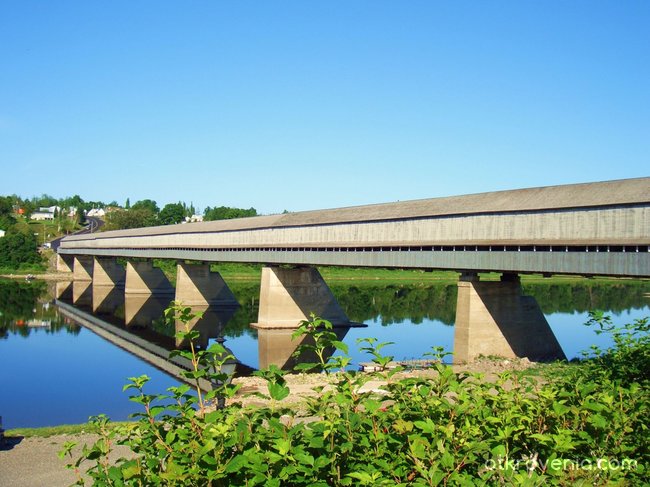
(210, 323)
(107, 299)
(82, 294)
(142, 310)
(142, 316)
(276, 347)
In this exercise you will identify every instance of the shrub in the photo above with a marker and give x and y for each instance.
(585, 427)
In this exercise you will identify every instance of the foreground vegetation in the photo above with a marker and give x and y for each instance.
(585, 426)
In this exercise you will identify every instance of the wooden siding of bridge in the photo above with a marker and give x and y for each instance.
(588, 226)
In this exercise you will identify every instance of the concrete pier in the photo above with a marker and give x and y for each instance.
(144, 278)
(64, 263)
(289, 296)
(196, 285)
(494, 318)
(107, 272)
(83, 268)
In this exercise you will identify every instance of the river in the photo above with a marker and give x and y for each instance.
(56, 371)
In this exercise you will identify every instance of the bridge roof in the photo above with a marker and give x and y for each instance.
(623, 192)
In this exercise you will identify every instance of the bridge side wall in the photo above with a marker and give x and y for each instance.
(587, 227)
(64, 263)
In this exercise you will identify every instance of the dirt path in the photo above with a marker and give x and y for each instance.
(33, 462)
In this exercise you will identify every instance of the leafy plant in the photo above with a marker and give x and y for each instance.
(586, 426)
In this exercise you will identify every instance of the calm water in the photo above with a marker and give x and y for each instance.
(55, 371)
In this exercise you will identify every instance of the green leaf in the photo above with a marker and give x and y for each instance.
(283, 445)
(343, 347)
(278, 391)
(115, 474)
(236, 464)
(130, 469)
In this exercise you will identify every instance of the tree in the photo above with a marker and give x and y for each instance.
(227, 213)
(127, 205)
(6, 213)
(172, 213)
(133, 218)
(150, 205)
(18, 248)
(6, 205)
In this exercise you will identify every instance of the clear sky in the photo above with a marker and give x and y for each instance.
(317, 104)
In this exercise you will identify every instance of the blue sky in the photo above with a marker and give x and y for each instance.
(303, 105)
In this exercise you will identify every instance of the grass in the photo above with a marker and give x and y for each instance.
(64, 429)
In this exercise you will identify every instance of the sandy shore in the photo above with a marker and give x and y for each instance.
(47, 276)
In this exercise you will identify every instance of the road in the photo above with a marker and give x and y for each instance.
(92, 226)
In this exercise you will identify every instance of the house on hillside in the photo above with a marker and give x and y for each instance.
(96, 212)
(2, 233)
(193, 218)
(45, 213)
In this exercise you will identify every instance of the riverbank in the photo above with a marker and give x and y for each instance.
(45, 276)
(30, 456)
(242, 272)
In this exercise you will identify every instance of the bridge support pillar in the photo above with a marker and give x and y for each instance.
(196, 285)
(289, 296)
(494, 318)
(144, 278)
(82, 268)
(64, 263)
(107, 272)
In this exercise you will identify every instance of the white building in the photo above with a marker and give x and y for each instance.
(193, 218)
(96, 212)
(42, 215)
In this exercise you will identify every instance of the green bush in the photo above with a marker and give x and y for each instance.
(586, 426)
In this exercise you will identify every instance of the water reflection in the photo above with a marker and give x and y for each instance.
(210, 324)
(107, 299)
(141, 310)
(26, 308)
(62, 357)
(276, 347)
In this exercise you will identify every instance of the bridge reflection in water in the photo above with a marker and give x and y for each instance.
(136, 323)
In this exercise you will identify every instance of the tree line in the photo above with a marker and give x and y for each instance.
(146, 213)
(19, 245)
